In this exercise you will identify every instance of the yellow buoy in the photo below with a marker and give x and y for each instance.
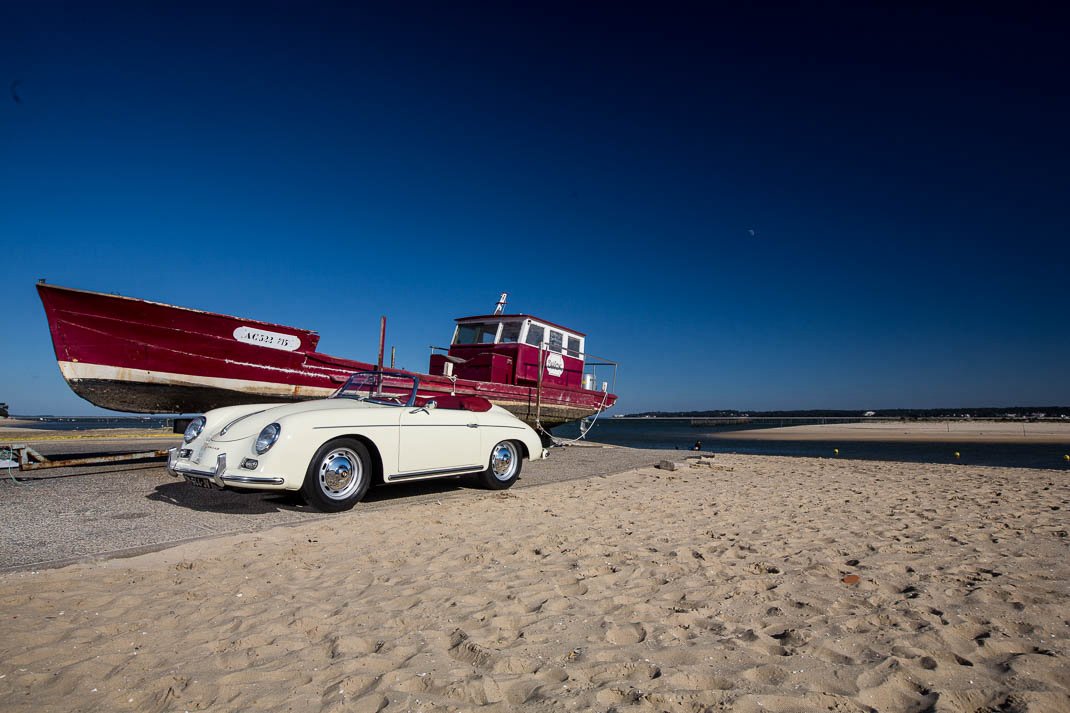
(957, 454)
(836, 451)
(1067, 458)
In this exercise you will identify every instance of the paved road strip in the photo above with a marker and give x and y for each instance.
(124, 511)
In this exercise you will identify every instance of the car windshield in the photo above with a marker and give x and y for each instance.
(380, 387)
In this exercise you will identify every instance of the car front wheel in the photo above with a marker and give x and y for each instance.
(504, 466)
(338, 476)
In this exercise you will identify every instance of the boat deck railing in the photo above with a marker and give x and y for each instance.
(591, 365)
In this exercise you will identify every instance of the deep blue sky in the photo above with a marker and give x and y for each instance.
(904, 172)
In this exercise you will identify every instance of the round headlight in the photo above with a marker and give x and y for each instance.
(267, 438)
(194, 429)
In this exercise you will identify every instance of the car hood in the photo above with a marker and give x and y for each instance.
(249, 425)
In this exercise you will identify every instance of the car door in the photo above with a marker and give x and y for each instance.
(435, 440)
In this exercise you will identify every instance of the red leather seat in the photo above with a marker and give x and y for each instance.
(457, 403)
(475, 403)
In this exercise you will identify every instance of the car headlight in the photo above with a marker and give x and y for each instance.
(267, 438)
(194, 429)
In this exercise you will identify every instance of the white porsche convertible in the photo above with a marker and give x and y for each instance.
(373, 429)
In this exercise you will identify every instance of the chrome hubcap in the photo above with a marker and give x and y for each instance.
(503, 460)
(340, 474)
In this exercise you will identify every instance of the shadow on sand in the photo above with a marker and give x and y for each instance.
(252, 502)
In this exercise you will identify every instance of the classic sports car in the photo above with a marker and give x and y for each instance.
(373, 429)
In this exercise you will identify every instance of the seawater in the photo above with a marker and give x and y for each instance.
(679, 435)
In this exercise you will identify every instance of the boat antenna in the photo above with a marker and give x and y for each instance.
(501, 303)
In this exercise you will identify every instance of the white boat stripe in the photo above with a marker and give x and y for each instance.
(78, 371)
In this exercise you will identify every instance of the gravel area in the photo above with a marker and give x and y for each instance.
(51, 518)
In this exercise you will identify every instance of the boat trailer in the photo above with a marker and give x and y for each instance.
(29, 459)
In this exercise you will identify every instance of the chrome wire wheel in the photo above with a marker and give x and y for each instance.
(340, 473)
(504, 461)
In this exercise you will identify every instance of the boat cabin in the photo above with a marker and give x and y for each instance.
(507, 348)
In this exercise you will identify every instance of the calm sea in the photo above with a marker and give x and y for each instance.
(669, 435)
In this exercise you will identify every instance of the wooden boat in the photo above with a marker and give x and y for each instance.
(134, 355)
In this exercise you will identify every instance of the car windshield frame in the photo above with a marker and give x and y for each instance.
(385, 388)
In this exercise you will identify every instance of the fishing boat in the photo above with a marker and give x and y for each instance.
(135, 355)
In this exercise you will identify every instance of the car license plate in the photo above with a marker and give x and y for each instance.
(201, 482)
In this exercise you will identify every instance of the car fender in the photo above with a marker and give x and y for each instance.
(303, 434)
(220, 417)
(498, 425)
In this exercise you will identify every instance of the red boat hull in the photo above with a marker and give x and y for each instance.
(134, 355)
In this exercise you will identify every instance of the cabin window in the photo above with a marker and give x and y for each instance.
(574, 346)
(476, 333)
(511, 332)
(556, 341)
(535, 334)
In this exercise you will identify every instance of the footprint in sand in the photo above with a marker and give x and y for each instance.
(347, 646)
(515, 665)
(625, 634)
(372, 703)
(464, 649)
(600, 674)
(769, 675)
(698, 680)
(891, 686)
(575, 588)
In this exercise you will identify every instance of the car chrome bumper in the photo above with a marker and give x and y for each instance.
(218, 476)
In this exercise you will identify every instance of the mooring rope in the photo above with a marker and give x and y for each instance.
(558, 443)
(8, 455)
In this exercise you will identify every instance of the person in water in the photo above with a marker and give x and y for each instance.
(697, 446)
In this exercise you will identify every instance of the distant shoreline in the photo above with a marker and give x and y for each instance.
(930, 431)
(74, 422)
(26, 430)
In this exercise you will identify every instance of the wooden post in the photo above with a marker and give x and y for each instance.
(538, 392)
(382, 340)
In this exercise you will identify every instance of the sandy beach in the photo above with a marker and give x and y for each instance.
(944, 431)
(745, 583)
